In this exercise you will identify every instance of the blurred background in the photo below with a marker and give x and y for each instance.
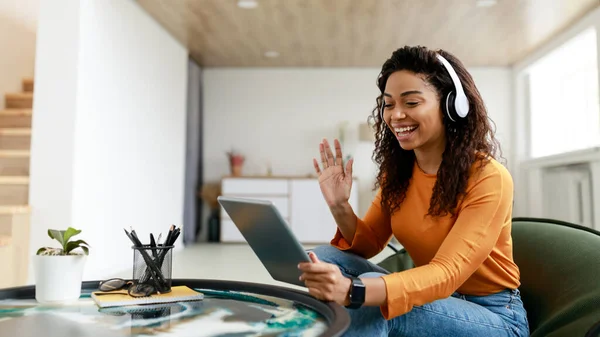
(122, 113)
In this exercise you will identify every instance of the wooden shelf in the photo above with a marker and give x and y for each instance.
(274, 177)
(268, 177)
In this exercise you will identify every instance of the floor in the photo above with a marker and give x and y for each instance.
(227, 262)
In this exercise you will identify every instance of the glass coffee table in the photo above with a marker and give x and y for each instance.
(229, 308)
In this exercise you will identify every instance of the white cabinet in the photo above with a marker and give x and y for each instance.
(281, 203)
(299, 200)
(311, 219)
(229, 232)
(255, 186)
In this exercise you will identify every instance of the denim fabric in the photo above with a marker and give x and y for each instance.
(500, 314)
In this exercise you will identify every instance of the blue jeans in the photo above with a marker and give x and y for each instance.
(500, 314)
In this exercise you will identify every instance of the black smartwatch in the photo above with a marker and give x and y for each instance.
(357, 293)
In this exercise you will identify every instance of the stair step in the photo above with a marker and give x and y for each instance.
(14, 180)
(15, 139)
(14, 258)
(14, 190)
(15, 132)
(28, 84)
(16, 112)
(23, 100)
(15, 118)
(17, 209)
(14, 154)
(14, 163)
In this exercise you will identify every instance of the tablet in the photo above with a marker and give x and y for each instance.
(269, 237)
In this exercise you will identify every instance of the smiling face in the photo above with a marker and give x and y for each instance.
(412, 112)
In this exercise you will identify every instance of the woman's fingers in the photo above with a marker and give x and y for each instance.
(323, 158)
(338, 152)
(314, 268)
(325, 278)
(317, 169)
(328, 152)
(349, 167)
(327, 157)
(321, 291)
(317, 293)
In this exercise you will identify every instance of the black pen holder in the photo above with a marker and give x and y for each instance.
(152, 268)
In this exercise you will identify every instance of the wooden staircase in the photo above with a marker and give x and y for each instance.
(15, 141)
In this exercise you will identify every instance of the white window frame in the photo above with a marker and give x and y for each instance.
(521, 119)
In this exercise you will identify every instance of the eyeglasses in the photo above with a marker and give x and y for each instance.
(134, 289)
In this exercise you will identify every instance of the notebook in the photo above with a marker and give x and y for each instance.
(177, 294)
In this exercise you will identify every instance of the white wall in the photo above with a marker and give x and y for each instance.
(127, 146)
(18, 24)
(53, 122)
(494, 84)
(280, 115)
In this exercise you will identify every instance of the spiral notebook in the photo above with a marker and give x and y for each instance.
(177, 294)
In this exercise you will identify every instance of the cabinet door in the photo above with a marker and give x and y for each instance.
(311, 220)
(229, 232)
(254, 186)
(281, 203)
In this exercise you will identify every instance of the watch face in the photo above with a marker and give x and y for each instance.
(357, 295)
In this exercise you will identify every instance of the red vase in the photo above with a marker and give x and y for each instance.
(236, 163)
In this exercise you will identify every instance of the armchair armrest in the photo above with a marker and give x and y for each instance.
(398, 261)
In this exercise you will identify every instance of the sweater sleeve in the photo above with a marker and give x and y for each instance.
(485, 210)
(372, 234)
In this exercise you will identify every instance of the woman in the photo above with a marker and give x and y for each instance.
(444, 197)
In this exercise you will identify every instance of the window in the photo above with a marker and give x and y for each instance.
(564, 98)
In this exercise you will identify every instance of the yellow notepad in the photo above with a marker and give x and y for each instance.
(177, 294)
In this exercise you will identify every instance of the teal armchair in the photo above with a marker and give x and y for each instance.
(560, 275)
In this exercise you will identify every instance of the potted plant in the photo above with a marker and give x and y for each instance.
(59, 271)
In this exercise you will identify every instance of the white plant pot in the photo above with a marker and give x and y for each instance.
(58, 278)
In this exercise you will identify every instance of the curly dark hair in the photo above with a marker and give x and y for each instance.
(466, 141)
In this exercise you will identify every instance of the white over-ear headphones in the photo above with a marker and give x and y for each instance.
(455, 104)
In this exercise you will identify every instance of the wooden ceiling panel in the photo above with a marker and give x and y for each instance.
(361, 33)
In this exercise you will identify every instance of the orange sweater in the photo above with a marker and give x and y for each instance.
(471, 254)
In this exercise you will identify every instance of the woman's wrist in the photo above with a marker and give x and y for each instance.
(346, 285)
(341, 208)
(375, 291)
(345, 219)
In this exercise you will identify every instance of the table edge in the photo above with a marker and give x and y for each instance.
(337, 317)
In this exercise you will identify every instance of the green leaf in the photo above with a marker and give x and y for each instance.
(70, 233)
(77, 244)
(41, 250)
(57, 235)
